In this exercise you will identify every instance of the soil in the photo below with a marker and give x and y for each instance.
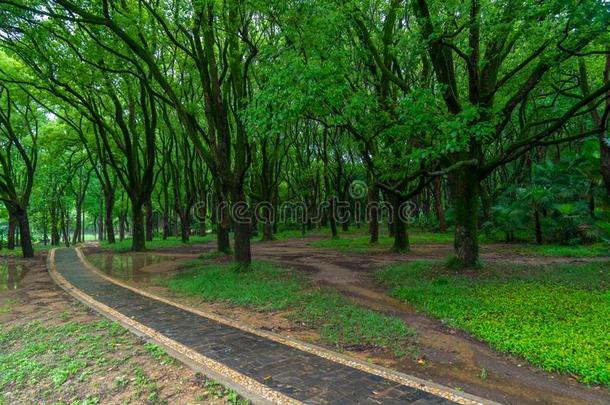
(444, 355)
(38, 299)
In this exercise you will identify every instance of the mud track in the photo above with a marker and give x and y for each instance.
(444, 355)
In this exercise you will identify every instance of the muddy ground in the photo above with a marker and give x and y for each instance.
(32, 297)
(443, 355)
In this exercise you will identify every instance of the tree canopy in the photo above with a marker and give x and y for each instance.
(180, 117)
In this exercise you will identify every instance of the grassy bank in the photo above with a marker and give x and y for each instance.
(361, 244)
(157, 243)
(595, 250)
(358, 243)
(557, 317)
(270, 288)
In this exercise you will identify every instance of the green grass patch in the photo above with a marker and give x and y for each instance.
(7, 305)
(157, 243)
(264, 287)
(595, 250)
(58, 360)
(159, 354)
(361, 244)
(32, 352)
(556, 317)
(344, 324)
(213, 255)
(17, 253)
(267, 288)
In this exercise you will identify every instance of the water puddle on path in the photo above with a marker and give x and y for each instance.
(11, 274)
(135, 266)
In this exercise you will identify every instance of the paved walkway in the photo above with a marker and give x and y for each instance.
(294, 375)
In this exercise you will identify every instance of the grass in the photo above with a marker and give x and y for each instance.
(49, 361)
(595, 250)
(265, 287)
(4, 252)
(361, 244)
(555, 316)
(346, 325)
(172, 241)
(33, 353)
(7, 305)
(270, 288)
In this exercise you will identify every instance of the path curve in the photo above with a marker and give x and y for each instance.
(259, 365)
(451, 357)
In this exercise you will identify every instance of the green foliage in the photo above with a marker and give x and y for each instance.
(555, 316)
(172, 241)
(559, 193)
(361, 244)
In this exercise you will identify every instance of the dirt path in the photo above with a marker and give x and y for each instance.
(121, 370)
(446, 356)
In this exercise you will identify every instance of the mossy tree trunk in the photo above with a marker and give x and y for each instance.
(466, 217)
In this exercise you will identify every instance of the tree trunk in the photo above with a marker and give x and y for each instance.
(185, 227)
(537, 227)
(466, 221)
(122, 227)
(108, 223)
(222, 230)
(149, 220)
(54, 229)
(267, 231)
(26, 237)
(345, 225)
(605, 161)
(438, 205)
(242, 232)
(138, 237)
(65, 228)
(77, 226)
(12, 221)
(485, 203)
(401, 237)
(604, 138)
(83, 226)
(45, 232)
(267, 223)
(332, 217)
(174, 224)
(201, 214)
(166, 227)
(373, 214)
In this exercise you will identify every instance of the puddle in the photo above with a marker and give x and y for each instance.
(11, 274)
(135, 266)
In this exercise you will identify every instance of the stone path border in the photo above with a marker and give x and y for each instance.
(251, 388)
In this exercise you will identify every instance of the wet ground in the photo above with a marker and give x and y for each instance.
(446, 356)
(28, 296)
(12, 272)
(137, 266)
(296, 373)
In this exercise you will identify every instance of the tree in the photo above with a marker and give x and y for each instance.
(20, 121)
